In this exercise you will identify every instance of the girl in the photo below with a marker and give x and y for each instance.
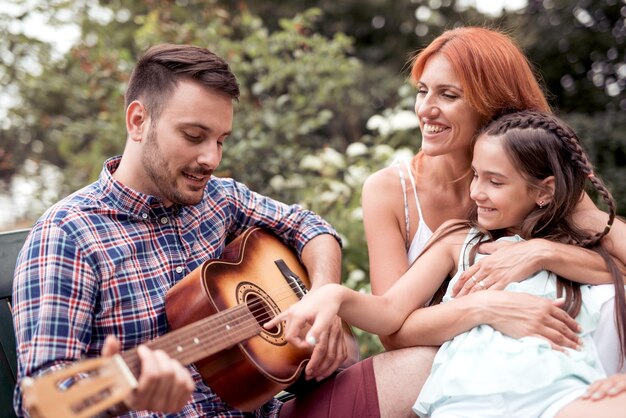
(529, 172)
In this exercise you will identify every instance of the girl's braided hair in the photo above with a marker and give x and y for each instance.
(541, 145)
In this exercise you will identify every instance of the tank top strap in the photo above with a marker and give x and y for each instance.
(417, 201)
(398, 165)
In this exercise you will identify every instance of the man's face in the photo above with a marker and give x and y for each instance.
(184, 146)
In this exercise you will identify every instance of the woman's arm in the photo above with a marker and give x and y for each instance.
(512, 262)
(383, 219)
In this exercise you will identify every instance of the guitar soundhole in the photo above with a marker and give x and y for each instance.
(261, 311)
(263, 308)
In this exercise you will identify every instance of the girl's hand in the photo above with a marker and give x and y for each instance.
(507, 262)
(610, 386)
(316, 313)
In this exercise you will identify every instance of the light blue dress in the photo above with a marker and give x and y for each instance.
(483, 361)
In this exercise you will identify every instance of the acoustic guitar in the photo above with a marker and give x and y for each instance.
(215, 315)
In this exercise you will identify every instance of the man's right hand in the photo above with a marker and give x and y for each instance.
(164, 384)
(523, 315)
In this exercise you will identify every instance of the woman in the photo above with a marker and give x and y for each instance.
(529, 173)
(466, 77)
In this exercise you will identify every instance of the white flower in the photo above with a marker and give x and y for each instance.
(356, 175)
(403, 154)
(357, 214)
(278, 182)
(311, 162)
(393, 121)
(383, 152)
(328, 197)
(378, 123)
(356, 149)
(334, 158)
(340, 189)
(403, 120)
(356, 276)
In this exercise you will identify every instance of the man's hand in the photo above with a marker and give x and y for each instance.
(329, 352)
(164, 384)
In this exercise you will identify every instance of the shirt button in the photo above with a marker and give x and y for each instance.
(144, 215)
(164, 220)
(179, 269)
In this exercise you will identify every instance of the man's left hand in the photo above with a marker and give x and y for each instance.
(329, 352)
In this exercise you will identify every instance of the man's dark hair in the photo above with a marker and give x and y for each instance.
(161, 67)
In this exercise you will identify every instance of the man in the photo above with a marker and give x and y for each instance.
(92, 276)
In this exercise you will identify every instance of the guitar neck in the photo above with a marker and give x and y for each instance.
(202, 338)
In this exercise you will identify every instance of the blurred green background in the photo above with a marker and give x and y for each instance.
(325, 98)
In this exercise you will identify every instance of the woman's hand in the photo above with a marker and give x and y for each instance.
(313, 322)
(610, 386)
(507, 262)
(521, 315)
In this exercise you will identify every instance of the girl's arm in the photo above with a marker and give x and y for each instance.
(382, 315)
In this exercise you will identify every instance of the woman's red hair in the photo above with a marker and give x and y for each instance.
(494, 73)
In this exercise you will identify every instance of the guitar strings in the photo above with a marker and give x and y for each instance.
(199, 332)
(226, 320)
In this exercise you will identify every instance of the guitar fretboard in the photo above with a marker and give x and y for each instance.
(203, 338)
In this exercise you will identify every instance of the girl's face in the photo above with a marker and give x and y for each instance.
(447, 121)
(502, 195)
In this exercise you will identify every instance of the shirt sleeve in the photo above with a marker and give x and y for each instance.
(294, 224)
(54, 294)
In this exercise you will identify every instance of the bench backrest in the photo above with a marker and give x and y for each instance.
(10, 245)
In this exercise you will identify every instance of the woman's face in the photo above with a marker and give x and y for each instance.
(502, 195)
(447, 121)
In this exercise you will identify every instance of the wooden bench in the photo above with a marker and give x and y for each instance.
(10, 245)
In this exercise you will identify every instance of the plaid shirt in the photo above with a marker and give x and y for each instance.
(100, 262)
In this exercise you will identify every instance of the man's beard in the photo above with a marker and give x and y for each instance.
(157, 168)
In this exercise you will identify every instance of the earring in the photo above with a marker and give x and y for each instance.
(541, 204)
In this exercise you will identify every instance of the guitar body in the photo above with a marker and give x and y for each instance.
(251, 372)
